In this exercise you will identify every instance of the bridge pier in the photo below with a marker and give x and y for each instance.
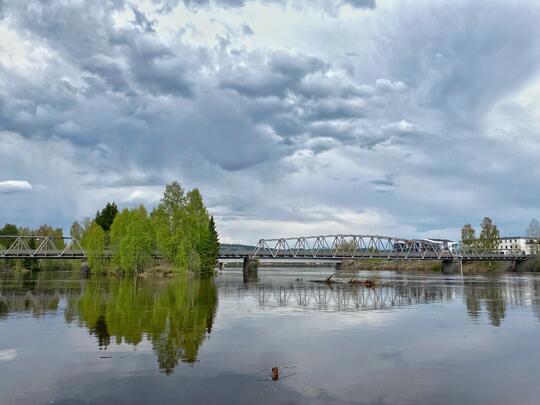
(250, 269)
(85, 271)
(451, 266)
(521, 265)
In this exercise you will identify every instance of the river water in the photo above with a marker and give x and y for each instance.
(413, 339)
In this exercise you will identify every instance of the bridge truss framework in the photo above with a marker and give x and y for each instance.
(310, 248)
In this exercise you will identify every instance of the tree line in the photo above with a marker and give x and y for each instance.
(179, 231)
(489, 236)
(487, 240)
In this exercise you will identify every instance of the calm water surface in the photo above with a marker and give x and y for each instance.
(417, 339)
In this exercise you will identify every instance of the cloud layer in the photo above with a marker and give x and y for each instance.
(291, 116)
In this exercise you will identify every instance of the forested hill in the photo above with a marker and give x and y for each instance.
(234, 248)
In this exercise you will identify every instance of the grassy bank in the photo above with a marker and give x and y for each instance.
(435, 265)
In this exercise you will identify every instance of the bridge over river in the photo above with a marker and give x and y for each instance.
(306, 249)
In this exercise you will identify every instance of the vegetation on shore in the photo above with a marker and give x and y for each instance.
(179, 231)
(487, 240)
(178, 235)
(532, 265)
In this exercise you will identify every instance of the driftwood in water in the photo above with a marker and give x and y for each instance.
(369, 283)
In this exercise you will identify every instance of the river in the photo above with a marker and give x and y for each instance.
(413, 339)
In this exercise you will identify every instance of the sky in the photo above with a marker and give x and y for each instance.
(403, 118)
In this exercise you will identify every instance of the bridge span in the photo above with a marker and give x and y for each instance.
(304, 249)
(343, 247)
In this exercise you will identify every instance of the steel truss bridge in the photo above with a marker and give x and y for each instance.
(40, 247)
(343, 247)
(302, 249)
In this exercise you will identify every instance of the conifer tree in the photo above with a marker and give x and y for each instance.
(211, 248)
(105, 217)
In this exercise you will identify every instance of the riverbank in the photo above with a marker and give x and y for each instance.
(532, 265)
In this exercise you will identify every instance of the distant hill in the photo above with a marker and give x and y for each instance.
(234, 248)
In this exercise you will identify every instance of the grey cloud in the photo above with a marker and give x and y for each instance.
(246, 30)
(387, 181)
(360, 3)
(133, 109)
(123, 58)
(163, 76)
(489, 35)
(109, 70)
(330, 6)
(330, 109)
(282, 72)
(142, 21)
(166, 6)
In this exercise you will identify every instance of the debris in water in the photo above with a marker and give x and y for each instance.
(275, 373)
(369, 283)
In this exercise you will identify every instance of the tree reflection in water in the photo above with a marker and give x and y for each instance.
(493, 293)
(175, 316)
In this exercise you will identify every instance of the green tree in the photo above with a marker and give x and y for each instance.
(31, 264)
(93, 243)
(489, 235)
(117, 233)
(468, 236)
(8, 230)
(105, 217)
(76, 230)
(172, 203)
(137, 244)
(211, 249)
(195, 221)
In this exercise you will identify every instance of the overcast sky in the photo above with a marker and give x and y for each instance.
(402, 118)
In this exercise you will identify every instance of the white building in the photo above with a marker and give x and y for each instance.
(519, 244)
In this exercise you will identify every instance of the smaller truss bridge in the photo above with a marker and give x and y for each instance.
(40, 247)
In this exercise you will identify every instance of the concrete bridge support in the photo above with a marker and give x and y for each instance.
(522, 265)
(250, 269)
(85, 270)
(451, 266)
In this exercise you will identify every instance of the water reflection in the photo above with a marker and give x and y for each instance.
(411, 339)
(174, 316)
(491, 294)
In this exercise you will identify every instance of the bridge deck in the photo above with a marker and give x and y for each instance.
(307, 249)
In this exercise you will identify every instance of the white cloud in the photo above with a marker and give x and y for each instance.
(14, 186)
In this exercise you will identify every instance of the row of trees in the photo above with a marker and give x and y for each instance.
(179, 229)
(489, 234)
(487, 240)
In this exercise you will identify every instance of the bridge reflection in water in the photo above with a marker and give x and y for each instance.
(483, 295)
(176, 316)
